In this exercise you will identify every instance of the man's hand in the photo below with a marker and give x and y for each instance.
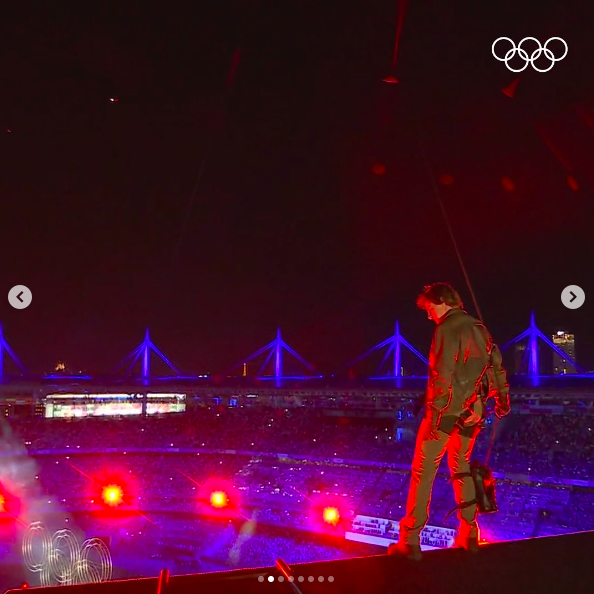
(501, 412)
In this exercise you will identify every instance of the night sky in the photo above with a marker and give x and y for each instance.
(215, 208)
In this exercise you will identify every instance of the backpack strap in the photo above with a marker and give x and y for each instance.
(459, 506)
(456, 476)
(459, 475)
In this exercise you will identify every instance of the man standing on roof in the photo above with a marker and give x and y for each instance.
(463, 358)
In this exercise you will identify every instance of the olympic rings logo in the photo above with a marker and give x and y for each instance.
(529, 59)
(60, 559)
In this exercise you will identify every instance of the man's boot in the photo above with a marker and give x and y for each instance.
(469, 544)
(405, 550)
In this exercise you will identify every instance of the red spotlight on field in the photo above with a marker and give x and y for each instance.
(378, 168)
(508, 184)
(331, 516)
(510, 90)
(390, 79)
(446, 179)
(572, 183)
(113, 495)
(219, 499)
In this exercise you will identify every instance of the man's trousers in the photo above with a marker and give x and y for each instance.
(428, 455)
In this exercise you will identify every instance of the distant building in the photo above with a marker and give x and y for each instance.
(522, 358)
(520, 365)
(565, 342)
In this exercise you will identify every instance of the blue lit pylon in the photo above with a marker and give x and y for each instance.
(142, 353)
(6, 350)
(276, 349)
(533, 335)
(394, 344)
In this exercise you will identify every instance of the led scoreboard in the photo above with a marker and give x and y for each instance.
(99, 405)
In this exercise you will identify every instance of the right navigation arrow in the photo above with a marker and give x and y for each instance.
(573, 296)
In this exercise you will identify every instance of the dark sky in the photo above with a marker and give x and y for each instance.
(285, 221)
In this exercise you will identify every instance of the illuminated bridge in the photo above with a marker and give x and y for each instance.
(136, 390)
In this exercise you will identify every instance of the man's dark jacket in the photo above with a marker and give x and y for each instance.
(459, 354)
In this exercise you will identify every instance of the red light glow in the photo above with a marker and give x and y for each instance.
(572, 183)
(331, 516)
(2, 502)
(510, 90)
(446, 179)
(508, 184)
(378, 168)
(219, 499)
(113, 495)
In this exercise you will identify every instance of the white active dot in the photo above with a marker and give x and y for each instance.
(271, 578)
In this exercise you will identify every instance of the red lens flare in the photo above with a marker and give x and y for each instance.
(572, 183)
(331, 515)
(113, 495)
(378, 168)
(219, 499)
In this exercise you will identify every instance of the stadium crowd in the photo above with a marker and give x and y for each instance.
(537, 445)
(282, 465)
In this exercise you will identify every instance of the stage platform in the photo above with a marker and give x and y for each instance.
(558, 564)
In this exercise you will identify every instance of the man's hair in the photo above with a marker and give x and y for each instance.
(437, 293)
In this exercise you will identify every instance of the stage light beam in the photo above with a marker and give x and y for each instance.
(331, 516)
(219, 499)
(113, 495)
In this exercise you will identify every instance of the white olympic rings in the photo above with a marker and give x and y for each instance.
(61, 559)
(530, 59)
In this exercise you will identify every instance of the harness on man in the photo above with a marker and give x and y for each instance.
(484, 484)
(482, 476)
